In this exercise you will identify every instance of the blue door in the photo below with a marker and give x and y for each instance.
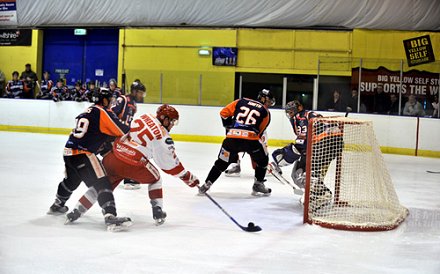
(84, 58)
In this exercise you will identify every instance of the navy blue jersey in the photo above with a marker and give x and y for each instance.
(300, 124)
(46, 86)
(93, 127)
(250, 117)
(125, 108)
(15, 88)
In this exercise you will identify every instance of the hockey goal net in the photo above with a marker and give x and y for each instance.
(347, 183)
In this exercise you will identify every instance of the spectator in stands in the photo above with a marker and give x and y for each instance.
(29, 88)
(2, 83)
(353, 103)
(89, 92)
(59, 91)
(393, 108)
(31, 80)
(381, 101)
(413, 107)
(78, 93)
(335, 103)
(435, 105)
(15, 87)
(45, 87)
(113, 86)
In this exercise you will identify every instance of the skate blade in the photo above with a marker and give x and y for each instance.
(132, 187)
(159, 222)
(259, 194)
(121, 227)
(232, 174)
(56, 213)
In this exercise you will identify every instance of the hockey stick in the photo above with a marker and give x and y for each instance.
(296, 189)
(251, 226)
(433, 172)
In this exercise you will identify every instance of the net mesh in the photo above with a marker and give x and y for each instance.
(349, 186)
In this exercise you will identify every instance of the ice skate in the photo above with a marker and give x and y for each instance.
(115, 224)
(131, 185)
(233, 171)
(72, 216)
(259, 189)
(159, 215)
(57, 208)
(205, 187)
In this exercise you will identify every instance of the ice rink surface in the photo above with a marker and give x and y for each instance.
(197, 237)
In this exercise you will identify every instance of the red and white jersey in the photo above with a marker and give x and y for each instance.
(148, 139)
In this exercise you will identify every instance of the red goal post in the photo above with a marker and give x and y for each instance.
(348, 185)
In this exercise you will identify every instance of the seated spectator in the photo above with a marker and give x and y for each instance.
(113, 86)
(353, 103)
(89, 92)
(31, 80)
(394, 105)
(29, 88)
(413, 107)
(59, 91)
(2, 83)
(335, 103)
(435, 105)
(45, 87)
(381, 101)
(78, 93)
(15, 87)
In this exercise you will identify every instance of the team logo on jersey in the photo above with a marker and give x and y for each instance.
(224, 155)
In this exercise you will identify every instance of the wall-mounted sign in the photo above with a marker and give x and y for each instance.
(418, 50)
(16, 37)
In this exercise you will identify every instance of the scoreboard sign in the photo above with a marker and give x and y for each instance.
(418, 50)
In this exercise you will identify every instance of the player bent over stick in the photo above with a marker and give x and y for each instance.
(246, 121)
(93, 127)
(130, 158)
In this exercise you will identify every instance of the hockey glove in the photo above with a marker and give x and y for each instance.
(190, 179)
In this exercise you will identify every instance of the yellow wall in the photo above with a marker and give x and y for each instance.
(169, 56)
(172, 55)
(16, 57)
(387, 47)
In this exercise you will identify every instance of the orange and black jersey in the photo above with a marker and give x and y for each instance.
(92, 129)
(250, 119)
(125, 108)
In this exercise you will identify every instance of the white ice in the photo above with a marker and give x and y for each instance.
(197, 237)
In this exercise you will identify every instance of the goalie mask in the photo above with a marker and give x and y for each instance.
(292, 108)
(168, 116)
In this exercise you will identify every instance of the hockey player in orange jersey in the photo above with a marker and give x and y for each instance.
(246, 121)
(131, 158)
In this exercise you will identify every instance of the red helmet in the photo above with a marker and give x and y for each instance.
(167, 111)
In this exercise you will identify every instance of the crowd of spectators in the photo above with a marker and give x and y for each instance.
(383, 103)
(27, 86)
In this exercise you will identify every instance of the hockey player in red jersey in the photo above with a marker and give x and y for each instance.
(92, 129)
(131, 158)
(125, 108)
(246, 121)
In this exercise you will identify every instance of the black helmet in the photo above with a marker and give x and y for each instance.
(267, 94)
(137, 86)
(100, 94)
(294, 106)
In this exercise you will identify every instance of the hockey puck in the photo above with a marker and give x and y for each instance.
(251, 225)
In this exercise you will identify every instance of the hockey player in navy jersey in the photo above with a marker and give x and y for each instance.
(92, 129)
